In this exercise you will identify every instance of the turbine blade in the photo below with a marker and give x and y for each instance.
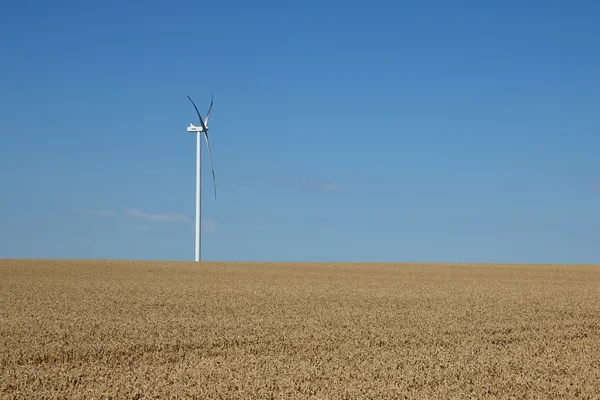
(209, 110)
(197, 112)
(211, 163)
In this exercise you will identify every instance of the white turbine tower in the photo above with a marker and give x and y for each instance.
(203, 128)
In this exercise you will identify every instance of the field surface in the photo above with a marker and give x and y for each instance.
(125, 330)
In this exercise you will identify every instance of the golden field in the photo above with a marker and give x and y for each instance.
(137, 329)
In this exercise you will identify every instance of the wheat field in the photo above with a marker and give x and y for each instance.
(170, 330)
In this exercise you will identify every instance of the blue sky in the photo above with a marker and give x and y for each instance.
(462, 131)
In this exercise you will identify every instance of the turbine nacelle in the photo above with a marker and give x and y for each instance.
(194, 128)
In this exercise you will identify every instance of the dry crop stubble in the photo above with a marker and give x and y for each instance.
(124, 329)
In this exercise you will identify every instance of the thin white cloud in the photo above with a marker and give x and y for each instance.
(323, 185)
(137, 213)
(157, 217)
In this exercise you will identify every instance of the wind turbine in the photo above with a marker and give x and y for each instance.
(203, 128)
